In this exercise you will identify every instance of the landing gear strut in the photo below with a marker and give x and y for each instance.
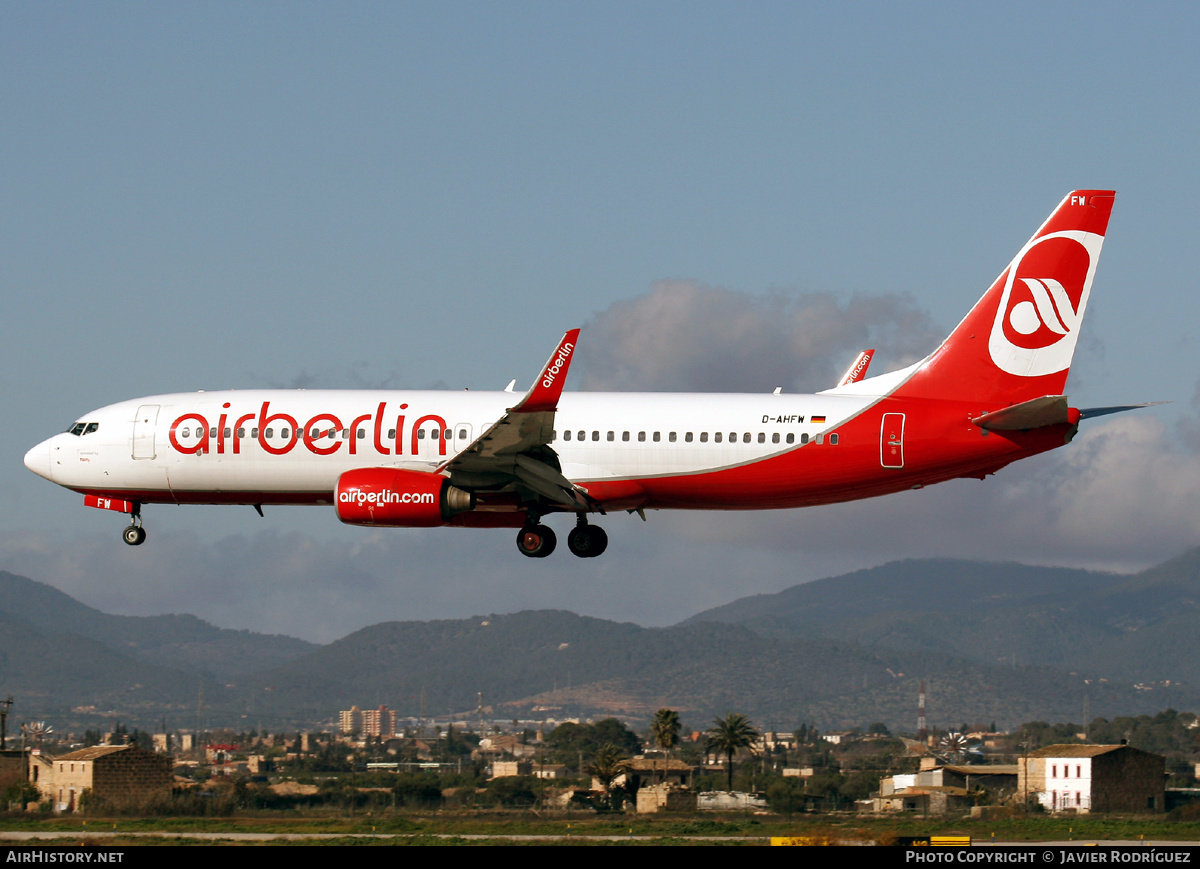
(536, 541)
(135, 534)
(586, 541)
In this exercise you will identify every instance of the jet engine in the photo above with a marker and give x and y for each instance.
(398, 498)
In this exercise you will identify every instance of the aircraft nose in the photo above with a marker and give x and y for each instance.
(38, 460)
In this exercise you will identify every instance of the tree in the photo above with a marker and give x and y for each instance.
(665, 728)
(729, 734)
(606, 767)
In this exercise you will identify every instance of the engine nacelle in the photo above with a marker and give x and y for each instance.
(398, 498)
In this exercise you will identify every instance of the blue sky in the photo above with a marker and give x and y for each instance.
(212, 195)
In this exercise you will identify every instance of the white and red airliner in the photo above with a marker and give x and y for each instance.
(989, 395)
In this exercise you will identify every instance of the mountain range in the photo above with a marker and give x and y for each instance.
(993, 642)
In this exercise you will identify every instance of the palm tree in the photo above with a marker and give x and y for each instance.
(665, 728)
(727, 735)
(606, 766)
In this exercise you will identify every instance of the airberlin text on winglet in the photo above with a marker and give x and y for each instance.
(564, 352)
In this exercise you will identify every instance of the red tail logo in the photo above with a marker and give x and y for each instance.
(1046, 290)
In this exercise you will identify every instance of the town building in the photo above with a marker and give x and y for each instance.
(109, 773)
(1094, 778)
(939, 790)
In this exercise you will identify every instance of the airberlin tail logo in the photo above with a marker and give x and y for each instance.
(1045, 293)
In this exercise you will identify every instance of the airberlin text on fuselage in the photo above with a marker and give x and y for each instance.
(313, 433)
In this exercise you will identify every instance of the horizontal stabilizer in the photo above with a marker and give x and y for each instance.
(1091, 412)
(1035, 413)
(1047, 410)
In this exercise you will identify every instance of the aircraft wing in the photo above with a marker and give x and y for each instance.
(516, 448)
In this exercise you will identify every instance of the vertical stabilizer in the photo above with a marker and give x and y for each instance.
(1018, 340)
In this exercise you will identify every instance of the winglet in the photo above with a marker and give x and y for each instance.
(543, 395)
(858, 369)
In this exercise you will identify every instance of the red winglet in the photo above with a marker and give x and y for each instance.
(858, 369)
(543, 395)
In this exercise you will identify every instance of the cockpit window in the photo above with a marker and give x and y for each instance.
(83, 428)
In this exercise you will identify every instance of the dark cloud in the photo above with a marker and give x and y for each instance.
(683, 336)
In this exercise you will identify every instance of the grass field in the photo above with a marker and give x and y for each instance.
(417, 828)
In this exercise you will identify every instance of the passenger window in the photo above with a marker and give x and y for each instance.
(733, 437)
(595, 435)
(227, 433)
(703, 437)
(746, 438)
(254, 432)
(241, 432)
(833, 439)
(270, 433)
(625, 436)
(362, 433)
(420, 434)
(804, 438)
(345, 434)
(717, 436)
(791, 438)
(641, 437)
(391, 433)
(285, 433)
(566, 436)
(820, 438)
(582, 436)
(687, 437)
(611, 436)
(657, 436)
(762, 437)
(212, 432)
(462, 434)
(775, 438)
(671, 437)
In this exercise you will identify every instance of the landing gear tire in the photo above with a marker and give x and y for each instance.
(587, 541)
(134, 535)
(536, 541)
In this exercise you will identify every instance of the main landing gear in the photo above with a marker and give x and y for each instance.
(135, 534)
(536, 541)
(586, 541)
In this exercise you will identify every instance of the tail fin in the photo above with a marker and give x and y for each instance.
(1017, 342)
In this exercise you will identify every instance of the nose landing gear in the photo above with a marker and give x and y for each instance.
(135, 534)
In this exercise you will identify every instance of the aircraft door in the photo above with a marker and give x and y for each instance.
(891, 441)
(462, 436)
(143, 431)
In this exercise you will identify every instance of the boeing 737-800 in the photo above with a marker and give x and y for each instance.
(991, 394)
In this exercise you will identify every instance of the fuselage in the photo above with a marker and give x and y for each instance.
(628, 450)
